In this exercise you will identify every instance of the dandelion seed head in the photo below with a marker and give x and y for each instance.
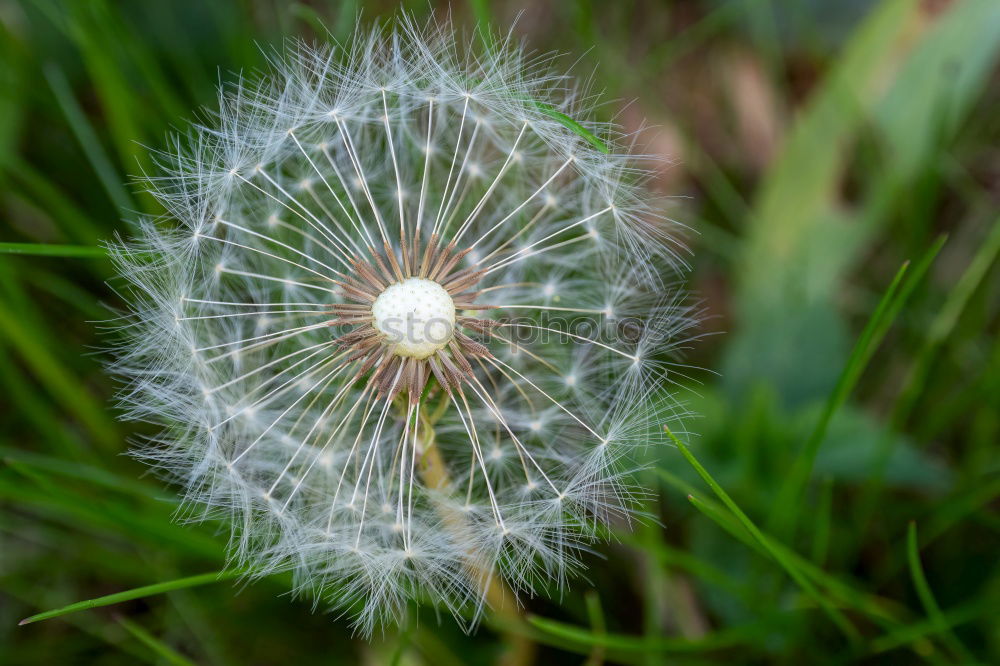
(425, 323)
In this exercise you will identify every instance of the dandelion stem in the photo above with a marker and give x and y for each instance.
(500, 598)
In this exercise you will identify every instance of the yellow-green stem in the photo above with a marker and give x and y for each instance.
(501, 599)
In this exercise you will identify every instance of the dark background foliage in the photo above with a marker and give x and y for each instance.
(816, 147)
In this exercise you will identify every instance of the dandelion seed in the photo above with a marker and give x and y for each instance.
(339, 363)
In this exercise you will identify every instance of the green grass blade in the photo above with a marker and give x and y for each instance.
(595, 615)
(786, 506)
(869, 497)
(927, 598)
(91, 474)
(944, 323)
(948, 513)
(53, 199)
(92, 626)
(884, 612)
(435, 648)
(148, 524)
(85, 134)
(676, 482)
(789, 497)
(67, 290)
(794, 200)
(53, 250)
(878, 609)
(164, 651)
(694, 35)
(309, 16)
(136, 593)
(56, 377)
(103, 44)
(35, 410)
(110, 24)
(484, 22)
(573, 125)
(912, 633)
(638, 645)
(838, 618)
(824, 519)
(931, 95)
(679, 559)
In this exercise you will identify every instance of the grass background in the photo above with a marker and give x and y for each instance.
(839, 162)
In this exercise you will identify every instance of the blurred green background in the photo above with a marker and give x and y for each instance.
(850, 402)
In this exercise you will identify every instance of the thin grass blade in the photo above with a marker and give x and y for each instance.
(162, 650)
(789, 497)
(930, 604)
(136, 593)
(54, 250)
(835, 615)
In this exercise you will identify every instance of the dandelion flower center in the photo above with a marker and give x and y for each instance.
(402, 321)
(416, 315)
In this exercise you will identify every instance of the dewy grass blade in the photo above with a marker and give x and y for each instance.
(928, 601)
(838, 618)
(136, 593)
(52, 250)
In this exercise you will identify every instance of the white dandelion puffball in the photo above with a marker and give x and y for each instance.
(407, 320)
